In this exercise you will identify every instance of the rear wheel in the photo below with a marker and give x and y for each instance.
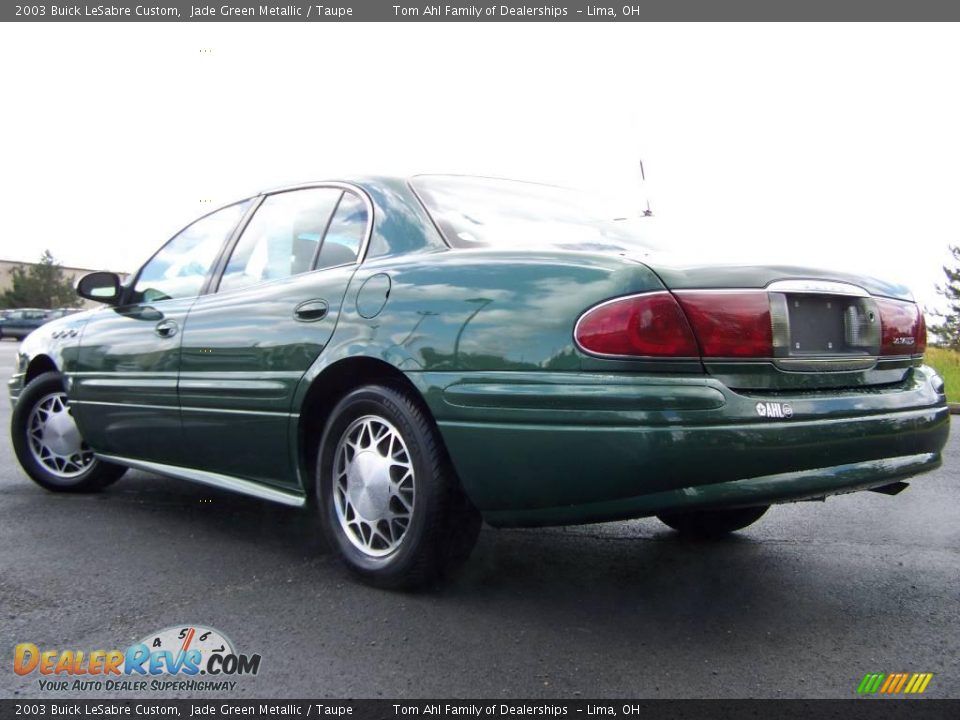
(389, 499)
(48, 443)
(712, 523)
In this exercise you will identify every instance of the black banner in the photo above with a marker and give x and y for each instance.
(878, 709)
(479, 11)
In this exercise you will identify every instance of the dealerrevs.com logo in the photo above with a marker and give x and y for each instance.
(183, 657)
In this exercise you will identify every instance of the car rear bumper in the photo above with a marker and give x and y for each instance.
(558, 448)
(766, 490)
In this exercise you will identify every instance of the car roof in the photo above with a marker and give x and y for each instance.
(357, 181)
(364, 181)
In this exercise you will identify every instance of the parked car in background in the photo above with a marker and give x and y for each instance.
(19, 323)
(61, 312)
(406, 357)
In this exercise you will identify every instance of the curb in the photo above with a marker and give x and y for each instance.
(954, 408)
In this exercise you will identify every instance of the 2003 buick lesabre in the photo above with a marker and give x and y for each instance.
(409, 357)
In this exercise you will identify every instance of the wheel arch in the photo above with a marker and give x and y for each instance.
(327, 389)
(39, 365)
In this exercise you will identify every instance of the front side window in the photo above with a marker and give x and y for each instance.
(181, 267)
(282, 238)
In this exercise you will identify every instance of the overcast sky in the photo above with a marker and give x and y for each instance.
(836, 146)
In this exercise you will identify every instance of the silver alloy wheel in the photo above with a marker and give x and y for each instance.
(55, 440)
(373, 485)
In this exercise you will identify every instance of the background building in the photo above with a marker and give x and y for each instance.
(73, 273)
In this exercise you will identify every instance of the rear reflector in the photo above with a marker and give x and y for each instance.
(730, 324)
(903, 329)
(649, 325)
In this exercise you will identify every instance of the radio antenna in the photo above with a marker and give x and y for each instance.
(643, 177)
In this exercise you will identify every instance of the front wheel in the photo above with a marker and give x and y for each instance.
(48, 443)
(712, 523)
(389, 499)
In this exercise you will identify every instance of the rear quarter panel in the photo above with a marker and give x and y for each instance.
(472, 311)
(454, 316)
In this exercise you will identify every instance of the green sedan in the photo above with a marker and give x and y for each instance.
(406, 358)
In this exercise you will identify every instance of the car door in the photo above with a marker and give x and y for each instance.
(247, 345)
(124, 388)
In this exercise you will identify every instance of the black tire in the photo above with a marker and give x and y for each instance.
(441, 525)
(712, 523)
(88, 476)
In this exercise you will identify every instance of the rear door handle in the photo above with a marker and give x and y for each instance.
(166, 328)
(311, 310)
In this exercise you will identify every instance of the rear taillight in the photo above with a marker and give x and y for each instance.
(903, 329)
(730, 324)
(741, 324)
(649, 325)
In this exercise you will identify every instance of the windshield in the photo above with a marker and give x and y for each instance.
(482, 212)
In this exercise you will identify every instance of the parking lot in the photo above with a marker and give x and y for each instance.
(802, 604)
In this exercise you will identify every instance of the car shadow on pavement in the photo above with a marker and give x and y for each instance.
(542, 606)
(555, 567)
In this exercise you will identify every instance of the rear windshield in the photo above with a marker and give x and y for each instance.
(481, 212)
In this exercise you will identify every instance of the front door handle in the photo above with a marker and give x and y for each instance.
(311, 310)
(166, 328)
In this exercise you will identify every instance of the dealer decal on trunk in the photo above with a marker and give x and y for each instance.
(774, 410)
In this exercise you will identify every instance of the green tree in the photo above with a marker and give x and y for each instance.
(42, 285)
(948, 331)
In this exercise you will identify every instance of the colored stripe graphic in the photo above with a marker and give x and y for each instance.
(891, 681)
(900, 683)
(870, 683)
(894, 683)
(922, 685)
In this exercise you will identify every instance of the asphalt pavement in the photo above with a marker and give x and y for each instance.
(802, 604)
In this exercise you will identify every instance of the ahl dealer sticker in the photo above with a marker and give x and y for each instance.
(774, 410)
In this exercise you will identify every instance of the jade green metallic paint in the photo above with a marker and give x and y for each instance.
(538, 431)
(242, 357)
(124, 382)
(569, 448)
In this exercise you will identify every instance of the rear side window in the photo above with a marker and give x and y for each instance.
(341, 245)
(282, 238)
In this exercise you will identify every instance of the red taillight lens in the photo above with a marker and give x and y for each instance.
(904, 331)
(642, 325)
(730, 324)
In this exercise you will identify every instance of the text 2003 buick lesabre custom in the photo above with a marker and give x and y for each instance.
(417, 355)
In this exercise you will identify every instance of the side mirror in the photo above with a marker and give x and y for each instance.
(100, 286)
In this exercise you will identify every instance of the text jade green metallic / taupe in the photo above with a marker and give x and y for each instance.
(425, 352)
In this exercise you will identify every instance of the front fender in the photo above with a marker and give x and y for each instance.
(57, 341)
